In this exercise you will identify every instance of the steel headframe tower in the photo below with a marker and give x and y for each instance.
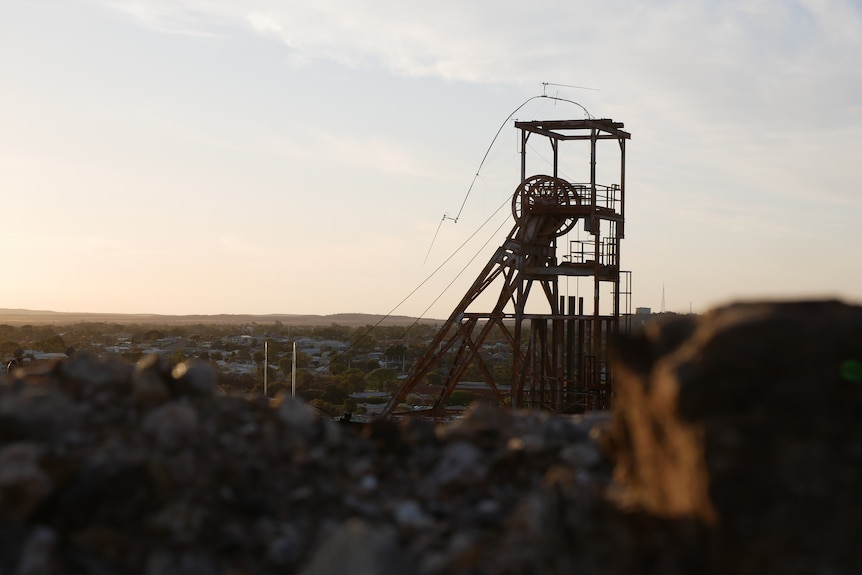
(558, 354)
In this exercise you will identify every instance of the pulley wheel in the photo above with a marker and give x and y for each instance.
(539, 196)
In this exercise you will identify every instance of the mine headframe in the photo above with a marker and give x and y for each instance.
(555, 346)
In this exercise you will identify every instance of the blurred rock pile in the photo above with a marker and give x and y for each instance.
(735, 447)
(748, 420)
(107, 467)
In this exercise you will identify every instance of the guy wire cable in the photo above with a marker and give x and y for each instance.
(423, 282)
(488, 151)
(455, 219)
(465, 265)
(500, 129)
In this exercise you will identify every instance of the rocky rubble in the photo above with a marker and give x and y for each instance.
(108, 467)
(735, 447)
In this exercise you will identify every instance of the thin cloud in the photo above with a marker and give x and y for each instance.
(724, 54)
(187, 18)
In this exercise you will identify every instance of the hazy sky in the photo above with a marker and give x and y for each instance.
(284, 156)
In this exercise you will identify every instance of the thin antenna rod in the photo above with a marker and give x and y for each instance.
(546, 84)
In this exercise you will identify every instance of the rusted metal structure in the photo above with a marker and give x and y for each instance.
(557, 342)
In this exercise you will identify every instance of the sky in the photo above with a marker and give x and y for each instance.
(298, 157)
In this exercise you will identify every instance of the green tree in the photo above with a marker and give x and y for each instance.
(503, 374)
(271, 374)
(285, 366)
(340, 363)
(302, 359)
(7, 331)
(396, 352)
(362, 340)
(7, 348)
(367, 365)
(53, 344)
(334, 395)
(382, 378)
(334, 331)
(352, 379)
(151, 335)
(473, 373)
(461, 397)
(275, 349)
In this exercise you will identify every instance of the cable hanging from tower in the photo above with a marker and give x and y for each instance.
(491, 145)
(455, 219)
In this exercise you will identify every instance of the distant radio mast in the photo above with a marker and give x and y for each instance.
(662, 299)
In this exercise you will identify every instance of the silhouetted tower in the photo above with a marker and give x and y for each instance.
(556, 343)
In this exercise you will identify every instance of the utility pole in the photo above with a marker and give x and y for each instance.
(293, 373)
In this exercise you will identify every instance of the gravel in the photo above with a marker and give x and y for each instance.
(110, 467)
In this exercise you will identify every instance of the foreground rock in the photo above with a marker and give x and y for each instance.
(748, 421)
(107, 467)
(735, 447)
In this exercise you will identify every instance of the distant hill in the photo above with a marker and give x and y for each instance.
(24, 316)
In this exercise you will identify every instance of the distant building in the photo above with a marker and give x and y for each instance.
(643, 311)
